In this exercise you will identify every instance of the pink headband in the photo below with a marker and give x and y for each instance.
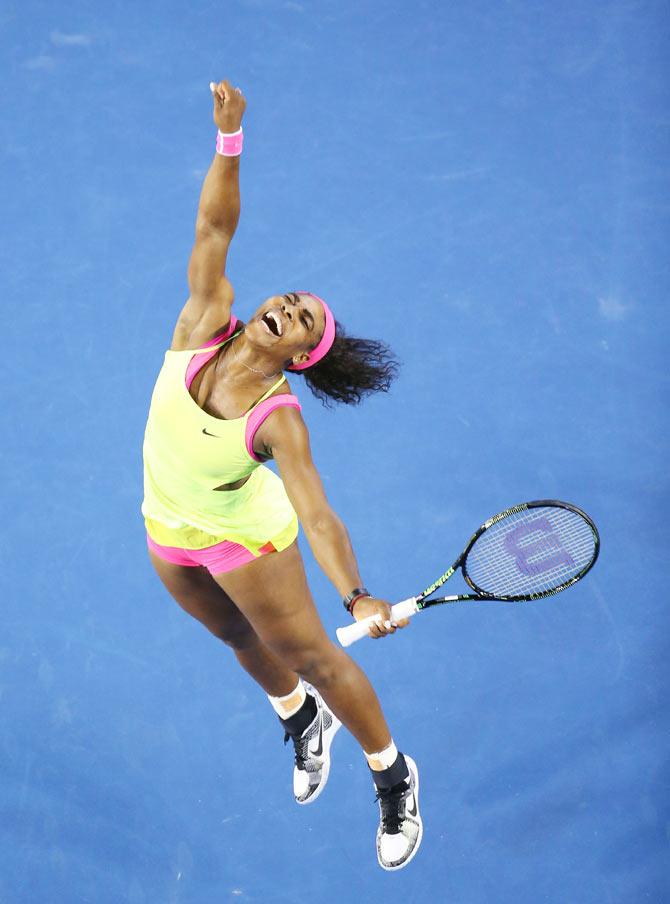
(326, 341)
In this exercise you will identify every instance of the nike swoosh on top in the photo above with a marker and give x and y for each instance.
(205, 430)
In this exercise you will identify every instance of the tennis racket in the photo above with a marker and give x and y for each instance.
(527, 552)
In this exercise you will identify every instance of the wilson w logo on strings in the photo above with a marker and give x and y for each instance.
(536, 548)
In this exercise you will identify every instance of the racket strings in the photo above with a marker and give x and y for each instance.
(532, 551)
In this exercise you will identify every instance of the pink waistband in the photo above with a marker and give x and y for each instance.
(222, 557)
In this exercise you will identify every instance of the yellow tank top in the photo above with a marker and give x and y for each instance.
(188, 452)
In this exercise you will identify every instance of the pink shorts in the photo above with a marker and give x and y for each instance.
(217, 559)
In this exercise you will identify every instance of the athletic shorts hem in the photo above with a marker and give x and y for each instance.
(225, 555)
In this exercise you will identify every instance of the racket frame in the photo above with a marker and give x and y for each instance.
(479, 594)
(409, 607)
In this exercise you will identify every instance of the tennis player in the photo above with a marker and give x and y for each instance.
(222, 528)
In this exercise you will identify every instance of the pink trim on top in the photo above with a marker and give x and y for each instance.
(229, 332)
(259, 414)
(199, 360)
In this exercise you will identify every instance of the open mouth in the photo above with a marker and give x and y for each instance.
(272, 321)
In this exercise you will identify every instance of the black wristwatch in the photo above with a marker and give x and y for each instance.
(353, 597)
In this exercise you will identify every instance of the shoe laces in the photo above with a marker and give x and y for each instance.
(300, 744)
(392, 803)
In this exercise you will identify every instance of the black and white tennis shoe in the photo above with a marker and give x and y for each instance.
(400, 826)
(312, 752)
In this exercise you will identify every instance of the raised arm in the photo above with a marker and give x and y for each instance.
(211, 294)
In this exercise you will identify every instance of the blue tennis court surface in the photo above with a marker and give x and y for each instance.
(485, 187)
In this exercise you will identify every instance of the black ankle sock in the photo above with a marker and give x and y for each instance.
(386, 779)
(298, 722)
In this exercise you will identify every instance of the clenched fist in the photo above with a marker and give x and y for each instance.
(229, 106)
(370, 606)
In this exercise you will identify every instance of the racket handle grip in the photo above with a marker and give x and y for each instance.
(351, 633)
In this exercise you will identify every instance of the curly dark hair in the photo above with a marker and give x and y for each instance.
(352, 369)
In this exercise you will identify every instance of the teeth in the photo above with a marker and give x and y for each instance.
(277, 322)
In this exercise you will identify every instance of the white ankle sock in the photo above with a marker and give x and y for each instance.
(384, 759)
(288, 706)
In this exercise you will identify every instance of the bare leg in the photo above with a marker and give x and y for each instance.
(198, 593)
(272, 593)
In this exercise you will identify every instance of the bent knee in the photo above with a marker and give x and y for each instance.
(319, 667)
(238, 635)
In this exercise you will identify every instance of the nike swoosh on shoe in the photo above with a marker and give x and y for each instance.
(413, 810)
(318, 750)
